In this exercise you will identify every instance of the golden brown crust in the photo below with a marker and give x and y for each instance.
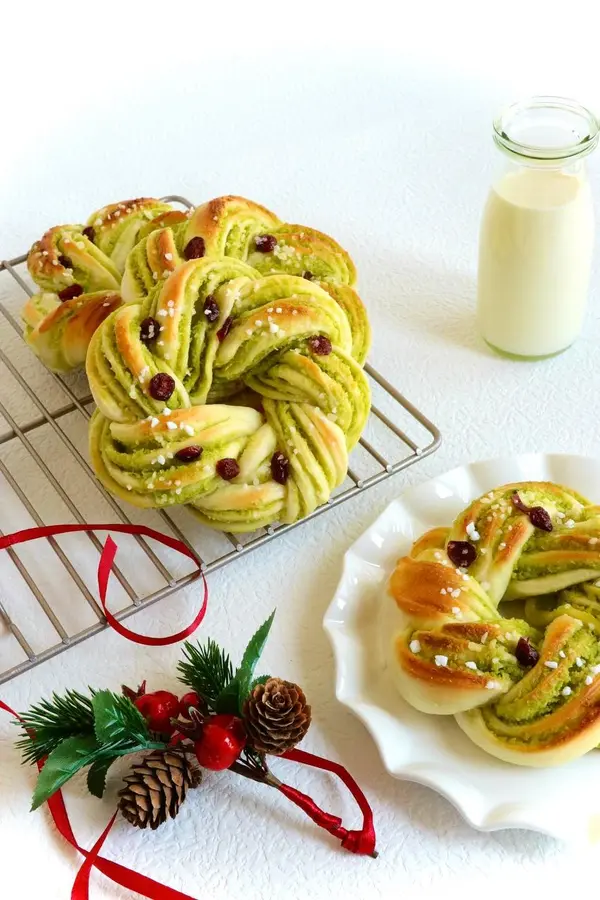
(109, 216)
(434, 539)
(61, 336)
(83, 314)
(207, 221)
(423, 589)
(169, 219)
(44, 255)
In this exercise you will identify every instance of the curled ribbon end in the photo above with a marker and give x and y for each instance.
(360, 842)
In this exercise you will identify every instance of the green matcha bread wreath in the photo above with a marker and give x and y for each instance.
(225, 352)
(524, 689)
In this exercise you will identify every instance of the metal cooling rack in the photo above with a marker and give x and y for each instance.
(385, 449)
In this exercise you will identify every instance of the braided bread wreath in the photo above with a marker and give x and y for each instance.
(224, 352)
(524, 689)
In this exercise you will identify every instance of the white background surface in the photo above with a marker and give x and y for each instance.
(375, 128)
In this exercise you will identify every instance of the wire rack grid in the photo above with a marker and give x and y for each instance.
(385, 449)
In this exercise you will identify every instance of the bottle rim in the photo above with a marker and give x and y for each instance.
(571, 150)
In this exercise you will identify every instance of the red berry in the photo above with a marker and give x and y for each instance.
(65, 261)
(162, 386)
(149, 329)
(280, 467)
(223, 739)
(461, 553)
(189, 454)
(225, 328)
(158, 708)
(320, 345)
(68, 293)
(211, 309)
(308, 275)
(228, 468)
(195, 249)
(190, 699)
(540, 518)
(265, 243)
(526, 654)
(89, 232)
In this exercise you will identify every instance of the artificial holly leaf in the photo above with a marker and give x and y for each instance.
(117, 720)
(228, 700)
(96, 776)
(232, 697)
(65, 760)
(255, 647)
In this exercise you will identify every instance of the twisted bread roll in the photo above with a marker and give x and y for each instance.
(65, 256)
(93, 256)
(59, 332)
(238, 228)
(73, 263)
(521, 560)
(552, 714)
(522, 695)
(218, 326)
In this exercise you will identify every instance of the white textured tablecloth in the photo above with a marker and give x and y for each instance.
(378, 131)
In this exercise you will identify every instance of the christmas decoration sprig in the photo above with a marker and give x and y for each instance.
(228, 719)
(228, 714)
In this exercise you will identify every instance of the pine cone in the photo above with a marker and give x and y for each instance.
(276, 716)
(157, 787)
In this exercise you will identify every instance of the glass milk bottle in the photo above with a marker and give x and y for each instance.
(537, 232)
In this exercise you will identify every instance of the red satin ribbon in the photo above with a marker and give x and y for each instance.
(127, 878)
(105, 566)
(361, 841)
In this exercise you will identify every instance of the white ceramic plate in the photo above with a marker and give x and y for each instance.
(431, 750)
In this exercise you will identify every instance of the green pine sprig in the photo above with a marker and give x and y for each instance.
(52, 721)
(207, 669)
(75, 732)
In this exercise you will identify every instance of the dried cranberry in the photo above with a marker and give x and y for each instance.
(228, 468)
(189, 454)
(537, 515)
(65, 261)
(74, 290)
(540, 518)
(195, 249)
(461, 553)
(225, 328)
(308, 275)
(265, 243)
(320, 345)
(149, 330)
(89, 233)
(280, 467)
(211, 309)
(526, 654)
(161, 386)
